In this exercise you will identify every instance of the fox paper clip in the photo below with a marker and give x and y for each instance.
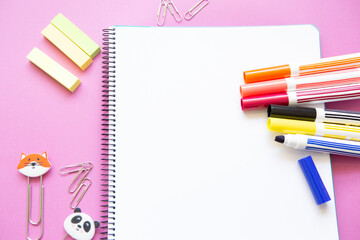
(34, 165)
(80, 226)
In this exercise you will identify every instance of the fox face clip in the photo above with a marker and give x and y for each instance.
(34, 165)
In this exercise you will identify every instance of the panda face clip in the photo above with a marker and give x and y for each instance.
(80, 226)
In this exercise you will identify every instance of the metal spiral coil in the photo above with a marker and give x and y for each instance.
(108, 115)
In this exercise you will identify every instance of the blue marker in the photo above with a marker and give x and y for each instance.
(321, 144)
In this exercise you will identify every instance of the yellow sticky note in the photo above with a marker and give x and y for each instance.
(76, 35)
(55, 70)
(69, 48)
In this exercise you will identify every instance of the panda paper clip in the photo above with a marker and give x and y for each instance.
(80, 226)
(34, 165)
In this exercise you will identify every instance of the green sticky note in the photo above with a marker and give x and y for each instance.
(76, 35)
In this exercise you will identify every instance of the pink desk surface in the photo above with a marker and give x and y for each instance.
(37, 114)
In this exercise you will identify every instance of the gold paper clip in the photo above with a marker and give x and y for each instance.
(83, 184)
(196, 9)
(34, 165)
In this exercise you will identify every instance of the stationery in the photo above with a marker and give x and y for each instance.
(52, 68)
(181, 160)
(81, 181)
(314, 128)
(80, 225)
(76, 35)
(68, 47)
(195, 9)
(311, 114)
(300, 83)
(314, 180)
(323, 65)
(162, 10)
(320, 144)
(318, 95)
(33, 166)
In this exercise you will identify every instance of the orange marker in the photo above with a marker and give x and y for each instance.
(323, 65)
(338, 78)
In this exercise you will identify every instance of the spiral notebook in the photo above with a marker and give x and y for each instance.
(181, 160)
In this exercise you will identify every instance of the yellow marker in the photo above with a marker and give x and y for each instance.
(290, 126)
(70, 49)
(76, 35)
(54, 69)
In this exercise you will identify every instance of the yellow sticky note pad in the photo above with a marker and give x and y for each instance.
(55, 70)
(76, 35)
(69, 48)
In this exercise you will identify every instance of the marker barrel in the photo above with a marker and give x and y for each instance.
(324, 65)
(290, 126)
(350, 118)
(290, 112)
(319, 95)
(301, 83)
(323, 144)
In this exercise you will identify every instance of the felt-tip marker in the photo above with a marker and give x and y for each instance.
(338, 78)
(320, 144)
(350, 118)
(290, 126)
(323, 65)
(318, 95)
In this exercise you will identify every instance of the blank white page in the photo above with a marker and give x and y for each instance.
(190, 164)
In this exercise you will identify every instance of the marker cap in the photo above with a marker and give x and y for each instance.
(265, 74)
(264, 100)
(261, 88)
(297, 113)
(314, 180)
(291, 126)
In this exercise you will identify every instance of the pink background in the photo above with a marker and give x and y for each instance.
(37, 114)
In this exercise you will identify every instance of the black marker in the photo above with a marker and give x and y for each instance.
(350, 118)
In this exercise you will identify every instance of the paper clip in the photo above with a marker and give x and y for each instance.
(76, 223)
(75, 168)
(196, 9)
(34, 165)
(82, 170)
(164, 5)
(175, 13)
(83, 184)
